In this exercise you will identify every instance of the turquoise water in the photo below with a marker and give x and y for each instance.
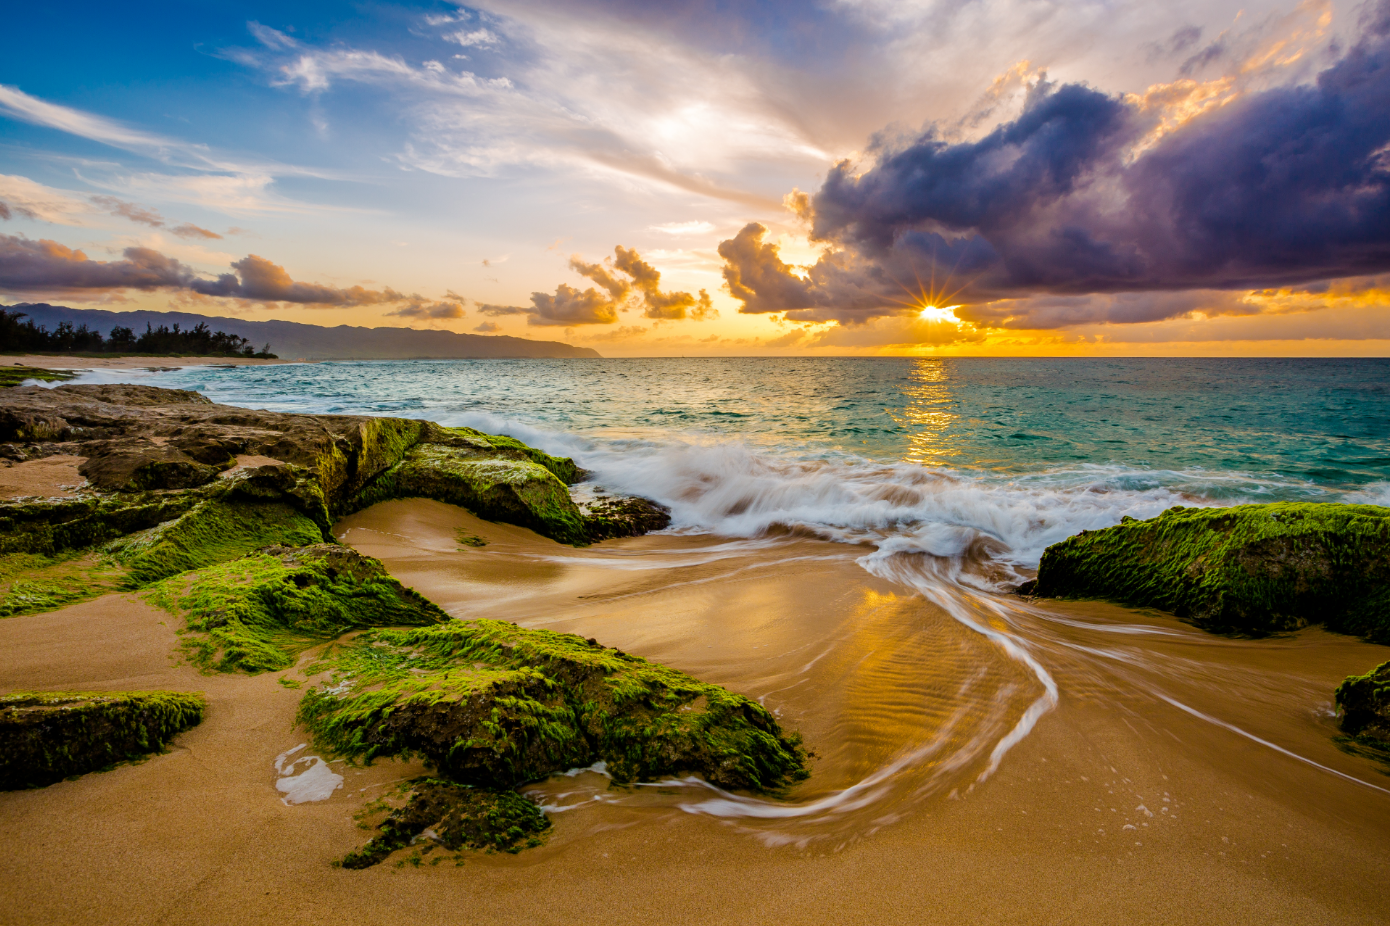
(934, 454)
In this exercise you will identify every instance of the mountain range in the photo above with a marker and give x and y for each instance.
(298, 341)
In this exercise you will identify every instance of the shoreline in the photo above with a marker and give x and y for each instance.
(131, 362)
(1238, 833)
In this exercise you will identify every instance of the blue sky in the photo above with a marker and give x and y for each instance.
(437, 164)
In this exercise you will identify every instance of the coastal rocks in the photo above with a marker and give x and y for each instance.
(607, 517)
(494, 705)
(1251, 569)
(1364, 703)
(13, 376)
(510, 490)
(137, 440)
(48, 736)
(453, 816)
(256, 613)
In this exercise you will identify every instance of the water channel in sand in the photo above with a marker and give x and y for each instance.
(909, 683)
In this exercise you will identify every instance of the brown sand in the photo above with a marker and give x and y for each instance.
(129, 363)
(50, 477)
(1239, 832)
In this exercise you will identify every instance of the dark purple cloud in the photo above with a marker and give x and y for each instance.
(1078, 196)
(44, 266)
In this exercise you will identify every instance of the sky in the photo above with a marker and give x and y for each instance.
(825, 177)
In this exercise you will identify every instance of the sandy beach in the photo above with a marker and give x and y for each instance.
(1118, 807)
(129, 362)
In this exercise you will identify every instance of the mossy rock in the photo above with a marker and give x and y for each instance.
(496, 705)
(509, 490)
(31, 583)
(52, 526)
(1364, 703)
(625, 516)
(213, 531)
(256, 613)
(13, 376)
(48, 736)
(1251, 569)
(457, 817)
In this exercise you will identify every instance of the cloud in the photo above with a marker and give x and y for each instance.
(624, 281)
(439, 310)
(193, 232)
(472, 38)
(684, 228)
(5, 211)
(488, 328)
(132, 211)
(1089, 193)
(35, 201)
(49, 267)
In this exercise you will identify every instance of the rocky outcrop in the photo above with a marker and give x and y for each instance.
(256, 613)
(170, 448)
(1251, 569)
(495, 705)
(48, 736)
(1363, 702)
(451, 816)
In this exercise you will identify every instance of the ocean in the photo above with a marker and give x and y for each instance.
(932, 455)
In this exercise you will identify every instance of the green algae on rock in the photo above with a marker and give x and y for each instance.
(1251, 569)
(48, 736)
(13, 376)
(456, 817)
(31, 583)
(495, 705)
(514, 491)
(256, 613)
(214, 531)
(1364, 703)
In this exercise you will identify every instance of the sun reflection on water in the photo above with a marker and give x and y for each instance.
(930, 415)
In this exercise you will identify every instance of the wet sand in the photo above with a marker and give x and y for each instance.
(1119, 806)
(49, 477)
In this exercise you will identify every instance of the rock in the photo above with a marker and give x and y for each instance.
(456, 817)
(494, 705)
(258, 612)
(514, 491)
(1251, 569)
(13, 376)
(1364, 703)
(610, 517)
(48, 736)
(139, 439)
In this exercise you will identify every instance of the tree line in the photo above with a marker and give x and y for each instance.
(26, 337)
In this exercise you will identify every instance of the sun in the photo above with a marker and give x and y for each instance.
(945, 313)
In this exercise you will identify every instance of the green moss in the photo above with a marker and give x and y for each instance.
(48, 736)
(13, 376)
(256, 613)
(31, 583)
(459, 817)
(606, 518)
(1252, 569)
(513, 491)
(1364, 703)
(55, 525)
(495, 705)
(465, 539)
(214, 531)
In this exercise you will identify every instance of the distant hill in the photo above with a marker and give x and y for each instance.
(297, 341)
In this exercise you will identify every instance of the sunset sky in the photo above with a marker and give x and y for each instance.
(838, 177)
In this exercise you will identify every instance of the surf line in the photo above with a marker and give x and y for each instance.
(941, 594)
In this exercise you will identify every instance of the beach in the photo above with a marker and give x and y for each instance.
(1117, 807)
